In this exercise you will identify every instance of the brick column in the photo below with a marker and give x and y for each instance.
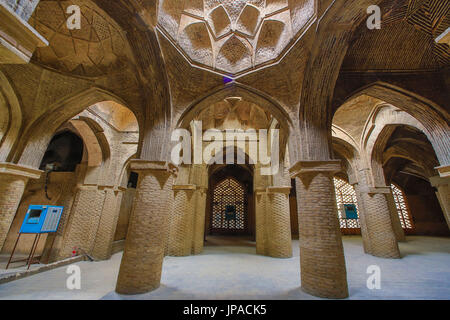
(13, 180)
(141, 266)
(322, 261)
(362, 218)
(442, 185)
(54, 242)
(278, 222)
(186, 226)
(83, 221)
(181, 221)
(104, 237)
(395, 219)
(383, 242)
(260, 221)
(199, 220)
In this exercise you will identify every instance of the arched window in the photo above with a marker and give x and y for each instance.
(347, 206)
(229, 206)
(402, 208)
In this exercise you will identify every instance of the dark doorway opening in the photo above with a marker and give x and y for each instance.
(64, 152)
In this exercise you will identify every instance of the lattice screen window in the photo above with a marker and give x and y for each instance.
(402, 208)
(346, 195)
(228, 206)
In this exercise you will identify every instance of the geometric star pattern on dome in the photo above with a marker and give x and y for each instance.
(233, 36)
(94, 50)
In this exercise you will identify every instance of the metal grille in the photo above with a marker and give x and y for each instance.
(52, 220)
(345, 194)
(402, 208)
(228, 194)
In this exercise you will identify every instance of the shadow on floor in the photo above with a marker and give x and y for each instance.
(230, 241)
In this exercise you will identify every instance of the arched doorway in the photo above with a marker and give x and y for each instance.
(64, 152)
(230, 209)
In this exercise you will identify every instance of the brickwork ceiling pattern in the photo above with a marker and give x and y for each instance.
(234, 35)
(97, 48)
(406, 40)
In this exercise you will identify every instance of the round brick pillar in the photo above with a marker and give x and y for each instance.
(362, 219)
(322, 261)
(260, 222)
(395, 220)
(279, 223)
(378, 220)
(199, 220)
(181, 221)
(13, 180)
(104, 237)
(141, 266)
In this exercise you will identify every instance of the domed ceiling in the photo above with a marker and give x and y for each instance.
(233, 36)
(94, 50)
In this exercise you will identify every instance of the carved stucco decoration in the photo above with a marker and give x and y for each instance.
(234, 36)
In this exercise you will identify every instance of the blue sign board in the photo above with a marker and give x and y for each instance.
(41, 219)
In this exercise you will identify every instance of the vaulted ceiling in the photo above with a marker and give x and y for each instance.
(406, 40)
(233, 36)
(167, 54)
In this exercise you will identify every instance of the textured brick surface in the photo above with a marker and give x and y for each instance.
(260, 220)
(181, 223)
(377, 216)
(11, 191)
(107, 225)
(141, 266)
(322, 262)
(83, 222)
(395, 220)
(279, 226)
(362, 219)
(199, 221)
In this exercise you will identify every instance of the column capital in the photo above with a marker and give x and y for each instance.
(376, 190)
(352, 179)
(444, 171)
(145, 165)
(22, 171)
(258, 191)
(112, 187)
(177, 187)
(279, 189)
(438, 181)
(315, 166)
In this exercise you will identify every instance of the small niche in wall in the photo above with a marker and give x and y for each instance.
(133, 180)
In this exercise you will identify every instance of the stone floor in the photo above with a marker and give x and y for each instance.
(15, 266)
(236, 272)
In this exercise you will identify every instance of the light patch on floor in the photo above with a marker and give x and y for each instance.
(229, 272)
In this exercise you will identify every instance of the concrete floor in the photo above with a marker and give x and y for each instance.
(14, 266)
(236, 272)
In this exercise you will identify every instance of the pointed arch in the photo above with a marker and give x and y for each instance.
(434, 118)
(13, 122)
(34, 141)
